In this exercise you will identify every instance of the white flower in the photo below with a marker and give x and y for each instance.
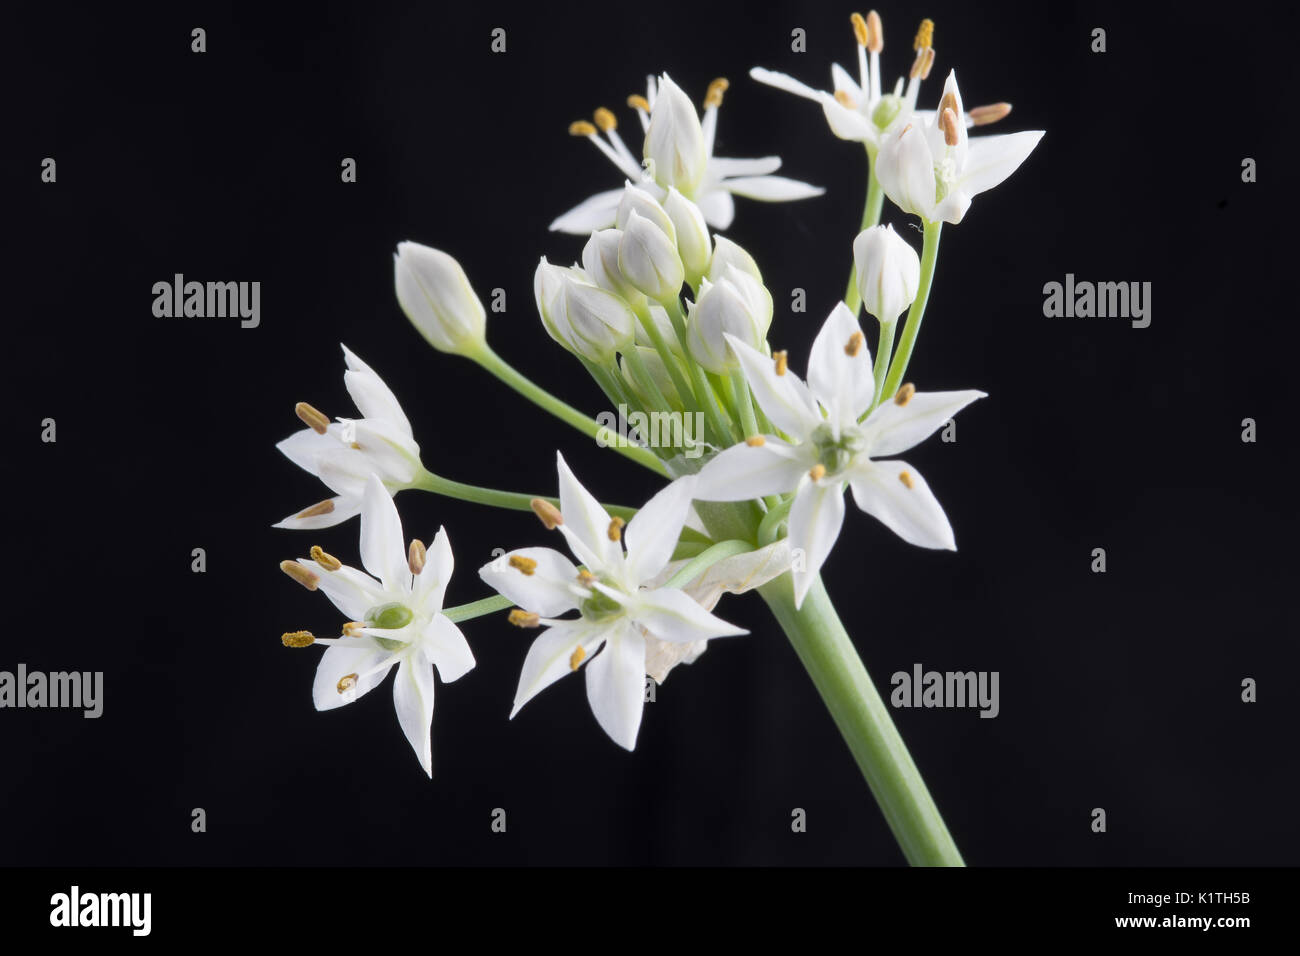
(677, 144)
(888, 272)
(692, 233)
(608, 594)
(829, 447)
(436, 296)
(932, 169)
(587, 320)
(736, 305)
(345, 453)
(648, 259)
(395, 617)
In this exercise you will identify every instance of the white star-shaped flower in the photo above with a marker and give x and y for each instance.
(615, 610)
(828, 447)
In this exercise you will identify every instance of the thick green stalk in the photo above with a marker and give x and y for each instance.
(707, 559)
(883, 350)
(837, 671)
(929, 256)
(465, 612)
(666, 356)
(513, 500)
(871, 210)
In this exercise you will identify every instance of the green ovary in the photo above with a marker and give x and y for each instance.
(390, 617)
(835, 454)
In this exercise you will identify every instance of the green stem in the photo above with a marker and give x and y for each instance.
(493, 363)
(703, 390)
(670, 361)
(827, 653)
(929, 256)
(767, 528)
(642, 374)
(744, 403)
(465, 612)
(871, 210)
(884, 348)
(513, 500)
(707, 559)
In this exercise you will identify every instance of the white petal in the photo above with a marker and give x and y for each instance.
(718, 207)
(340, 661)
(382, 550)
(384, 450)
(413, 700)
(744, 471)
(843, 82)
(548, 591)
(843, 383)
(446, 647)
(552, 656)
(345, 507)
(373, 398)
(991, 159)
(786, 400)
(815, 520)
(848, 124)
(430, 586)
(893, 428)
(304, 447)
(586, 523)
(722, 166)
(784, 81)
(651, 535)
(911, 513)
(673, 615)
(771, 188)
(616, 685)
(905, 168)
(353, 592)
(594, 212)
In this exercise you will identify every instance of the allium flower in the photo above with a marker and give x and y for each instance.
(679, 148)
(345, 453)
(887, 270)
(829, 447)
(436, 296)
(615, 610)
(395, 617)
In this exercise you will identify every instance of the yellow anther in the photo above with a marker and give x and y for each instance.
(713, 98)
(638, 103)
(415, 556)
(521, 618)
(842, 97)
(320, 508)
(983, 115)
(927, 62)
(615, 531)
(298, 639)
(313, 418)
(325, 559)
(924, 35)
(576, 657)
(522, 564)
(300, 574)
(547, 512)
(604, 119)
(949, 102)
(755, 441)
(906, 478)
(586, 578)
(904, 394)
(854, 345)
(951, 131)
(781, 360)
(860, 30)
(346, 684)
(875, 33)
(581, 128)
(817, 472)
(353, 629)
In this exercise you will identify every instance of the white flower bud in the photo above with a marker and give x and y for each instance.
(436, 296)
(692, 233)
(888, 271)
(640, 201)
(589, 321)
(727, 253)
(734, 305)
(674, 140)
(648, 259)
(546, 287)
(600, 262)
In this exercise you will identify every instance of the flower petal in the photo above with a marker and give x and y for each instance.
(905, 506)
(430, 585)
(340, 661)
(784, 81)
(893, 428)
(413, 700)
(673, 615)
(771, 188)
(445, 646)
(848, 124)
(991, 159)
(718, 207)
(842, 82)
(616, 684)
(786, 400)
(843, 383)
(552, 656)
(353, 592)
(744, 471)
(382, 550)
(549, 591)
(345, 507)
(373, 398)
(721, 166)
(586, 523)
(594, 212)
(651, 535)
(815, 519)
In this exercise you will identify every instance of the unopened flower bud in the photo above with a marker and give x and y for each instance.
(640, 201)
(436, 296)
(693, 243)
(648, 259)
(727, 253)
(674, 140)
(600, 262)
(888, 272)
(590, 321)
(734, 305)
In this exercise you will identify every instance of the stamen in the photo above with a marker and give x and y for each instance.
(605, 119)
(581, 128)
(983, 115)
(320, 508)
(522, 564)
(586, 578)
(616, 528)
(547, 512)
(313, 418)
(782, 360)
(904, 394)
(842, 97)
(353, 629)
(639, 103)
(755, 441)
(924, 35)
(576, 657)
(949, 102)
(415, 555)
(929, 63)
(817, 472)
(325, 559)
(855, 345)
(300, 574)
(906, 479)
(713, 98)
(521, 618)
(860, 30)
(298, 639)
(875, 33)
(346, 684)
(948, 123)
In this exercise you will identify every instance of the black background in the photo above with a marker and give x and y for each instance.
(1118, 690)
